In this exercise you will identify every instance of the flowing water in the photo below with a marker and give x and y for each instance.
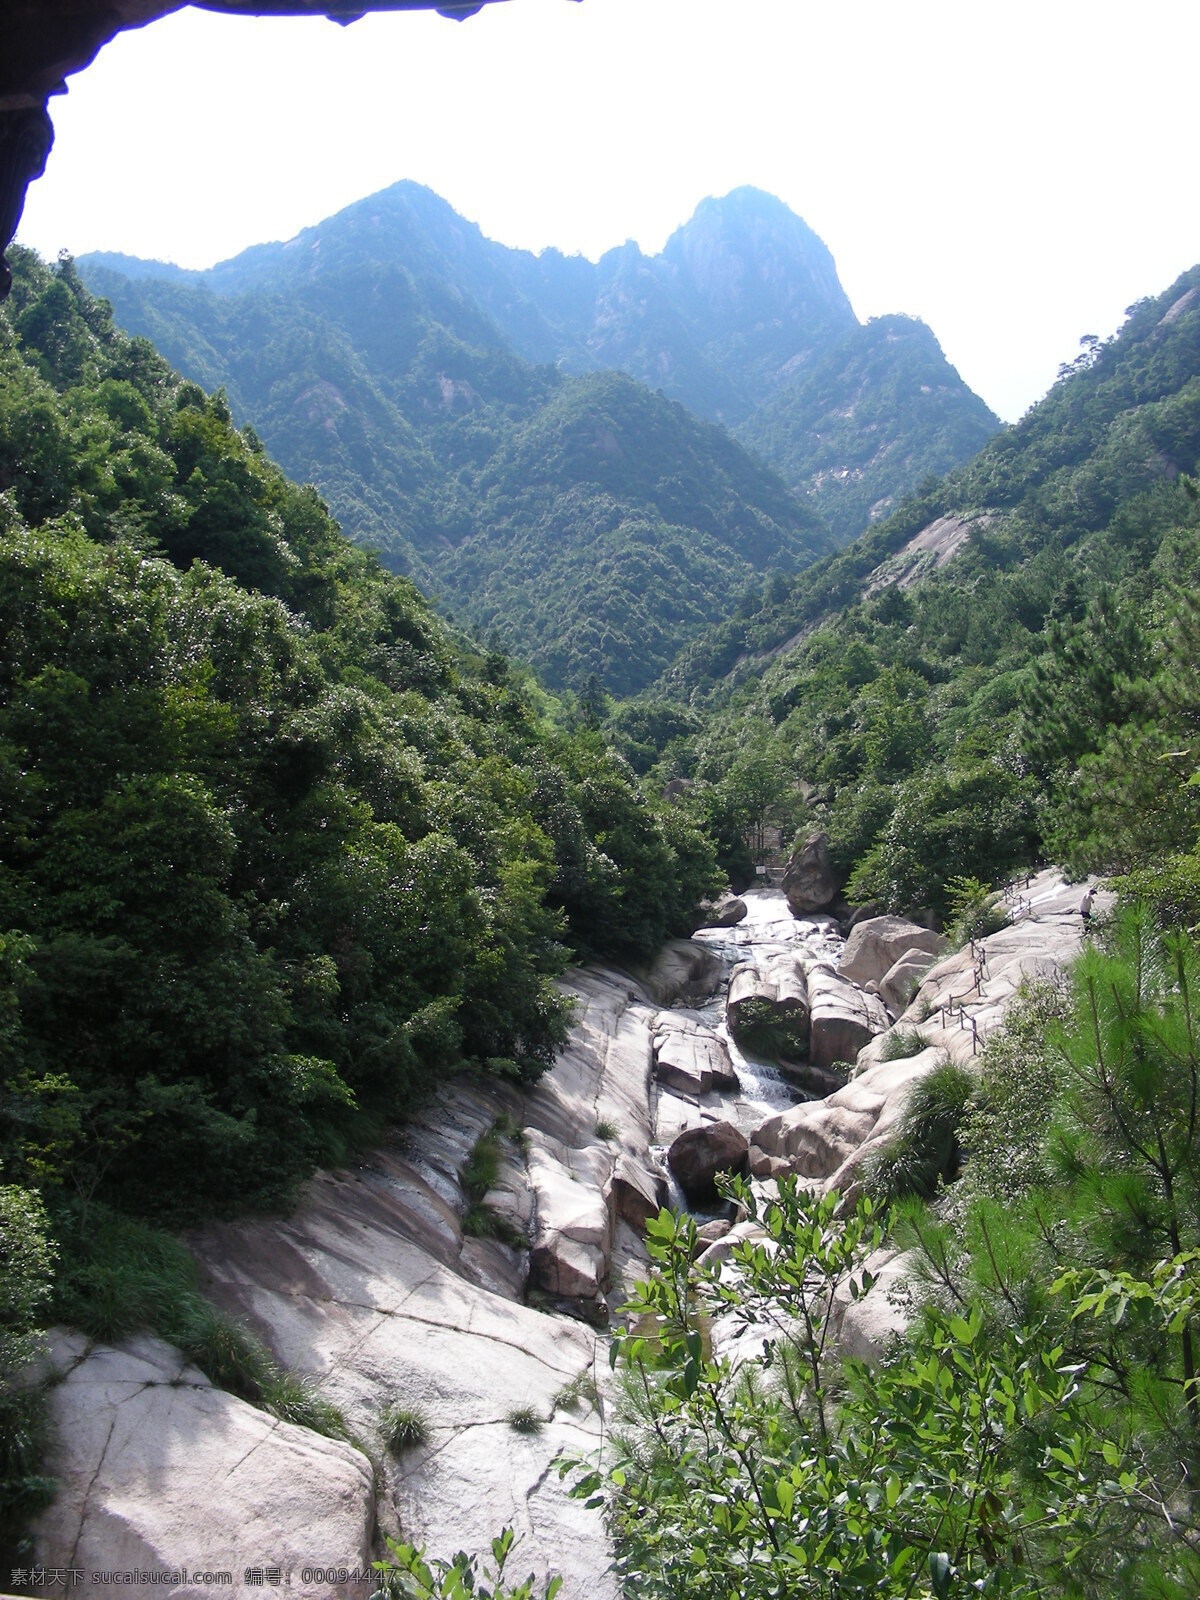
(768, 929)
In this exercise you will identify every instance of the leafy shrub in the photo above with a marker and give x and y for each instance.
(27, 1258)
(774, 1473)
(482, 1166)
(409, 1576)
(766, 1030)
(1006, 1127)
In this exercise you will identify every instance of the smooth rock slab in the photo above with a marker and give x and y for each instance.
(157, 1469)
(1043, 938)
(683, 970)
(362, 1292)
(690, 1058)
(844, 1018)
(573, 1227)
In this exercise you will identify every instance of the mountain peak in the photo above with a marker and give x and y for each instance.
(748, 257)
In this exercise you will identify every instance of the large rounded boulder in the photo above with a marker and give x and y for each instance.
(810, 882)
(699, 1154)
(876, 944)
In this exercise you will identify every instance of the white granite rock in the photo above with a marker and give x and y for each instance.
(870, 1325)
(690, 1057)
(902, 979)
(843, 1019)
(159, 1470)
(874, 945)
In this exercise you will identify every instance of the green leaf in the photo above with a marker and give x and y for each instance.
(940, 1572)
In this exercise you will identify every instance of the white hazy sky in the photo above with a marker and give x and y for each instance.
(1015, 173)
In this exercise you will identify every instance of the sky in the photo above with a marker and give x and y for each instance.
(1015, 174)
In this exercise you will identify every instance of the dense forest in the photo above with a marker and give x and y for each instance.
(1017, 696)
(864, 423)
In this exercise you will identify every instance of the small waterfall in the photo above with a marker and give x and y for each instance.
(768, 928)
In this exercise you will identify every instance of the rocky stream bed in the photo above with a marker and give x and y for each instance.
(372, 1291)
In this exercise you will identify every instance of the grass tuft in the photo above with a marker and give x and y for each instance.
(524, 1419)
(404, 1428)
(902, 1043)
(485, 1222)
(582, 1392)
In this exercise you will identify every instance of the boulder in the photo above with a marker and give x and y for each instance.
(767, 1007)
(637, 1192)
(690, 1058)
(709, 1232)
(876, 944)
(827, 1140)
(724, 912)
(809, 881)
(722, 1248)
(567, 1269)
(850, 916)
(843, 1018)
(156, 1468)
(903, 978)
(699, 1154)
(870, 1325)
(572, 1228)
(682, 970)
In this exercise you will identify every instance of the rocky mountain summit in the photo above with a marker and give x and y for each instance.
(415, 347)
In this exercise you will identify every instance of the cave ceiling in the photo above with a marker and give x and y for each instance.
(42, 42)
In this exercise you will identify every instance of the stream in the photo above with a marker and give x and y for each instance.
(769, 928)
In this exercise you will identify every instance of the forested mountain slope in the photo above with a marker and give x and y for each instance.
(483, 476)
(859, 426)
(275, 853)
(389, 353)
(1003, 667)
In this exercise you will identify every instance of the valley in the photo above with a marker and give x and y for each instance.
(371, 1289)
(380, 1007)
